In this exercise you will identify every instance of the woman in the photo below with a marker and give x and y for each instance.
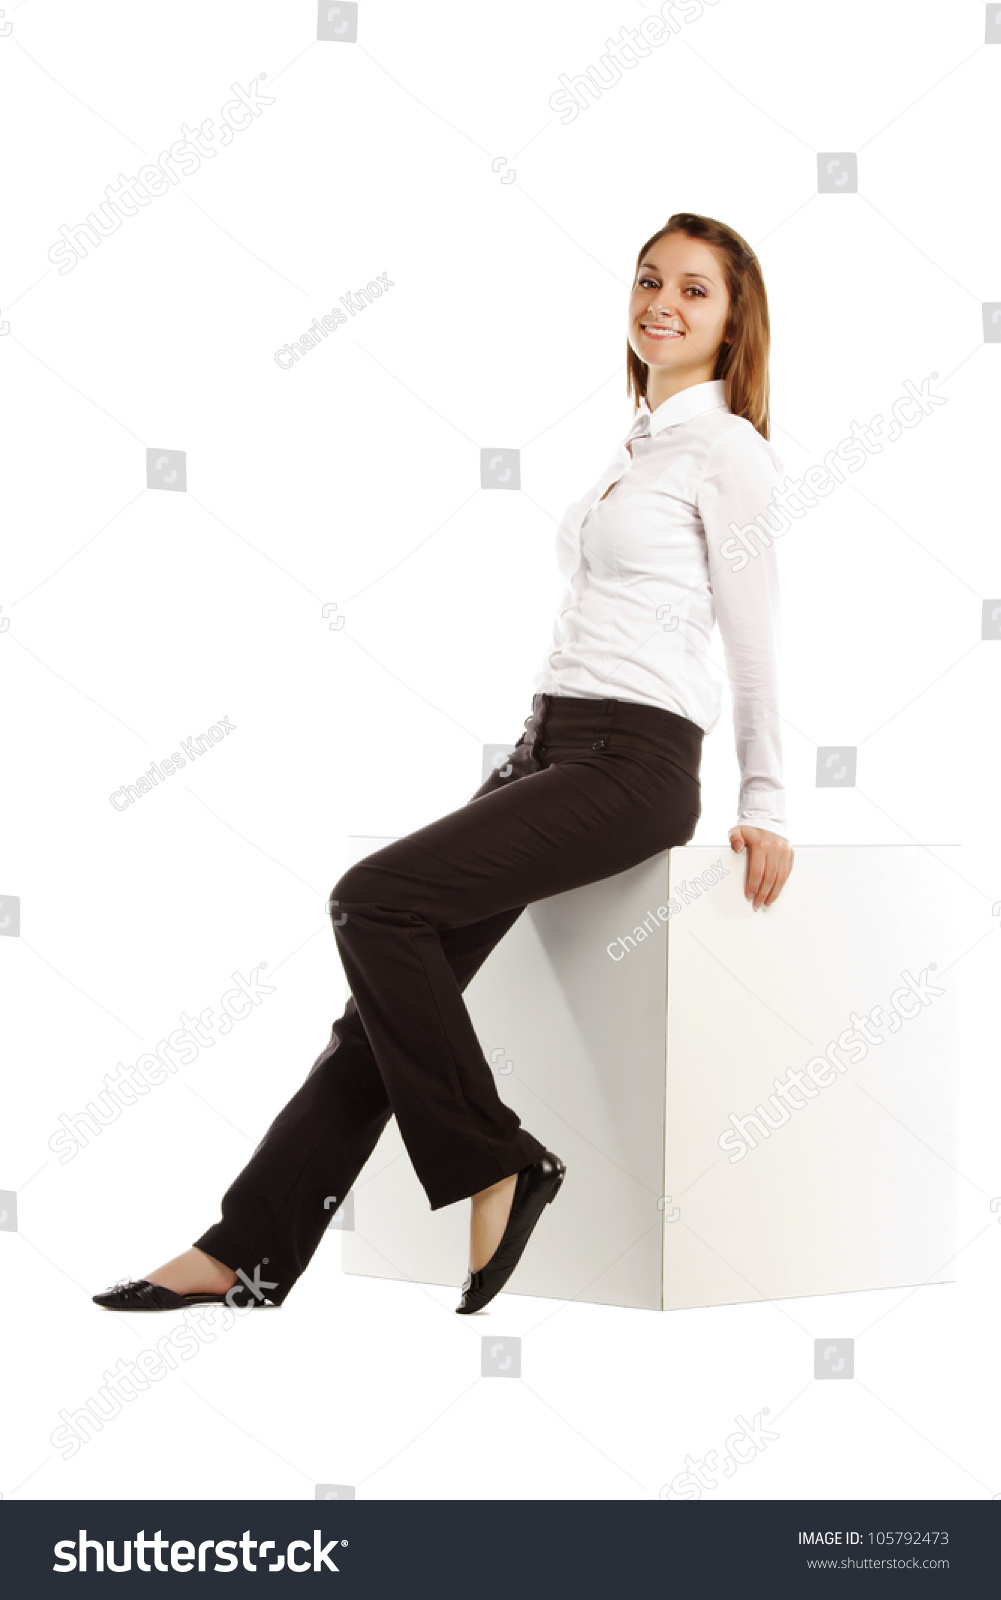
(606, 775)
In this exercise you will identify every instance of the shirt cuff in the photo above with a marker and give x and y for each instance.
(763, 816)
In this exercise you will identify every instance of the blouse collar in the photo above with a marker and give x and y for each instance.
(687, 403)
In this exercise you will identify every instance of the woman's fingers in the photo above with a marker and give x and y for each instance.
(768, 880)
(769, 863)
(755, 871)
(784, 867)
(763, 876)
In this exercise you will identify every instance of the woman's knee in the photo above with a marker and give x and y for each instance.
(344, 892)
(357, 887)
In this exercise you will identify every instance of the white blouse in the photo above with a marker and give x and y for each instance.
(646, 580)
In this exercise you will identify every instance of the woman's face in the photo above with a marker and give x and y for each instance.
(678, 307)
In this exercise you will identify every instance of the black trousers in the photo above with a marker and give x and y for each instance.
(591, 788)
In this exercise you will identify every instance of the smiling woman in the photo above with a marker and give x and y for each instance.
(605, 776)
(641, 552)
(699, 312)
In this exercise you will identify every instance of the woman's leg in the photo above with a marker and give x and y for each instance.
(615, 783)
(402, 919)
(572, 823)
(297, 1166)
(315, 1148)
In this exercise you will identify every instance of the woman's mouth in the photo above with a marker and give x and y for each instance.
(655, 330)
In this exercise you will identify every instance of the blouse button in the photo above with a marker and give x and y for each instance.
(599, 744)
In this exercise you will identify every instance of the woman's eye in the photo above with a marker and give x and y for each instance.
(651, 283)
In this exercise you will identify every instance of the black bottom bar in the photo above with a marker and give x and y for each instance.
(504, 1549)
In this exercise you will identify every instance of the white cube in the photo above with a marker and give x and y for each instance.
(637, 1023)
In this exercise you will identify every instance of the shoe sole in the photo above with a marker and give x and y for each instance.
(189, 1300)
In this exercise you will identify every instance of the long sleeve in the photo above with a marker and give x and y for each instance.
(742, 471)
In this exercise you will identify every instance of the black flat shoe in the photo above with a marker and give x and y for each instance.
(138, 1294)
(537, 1186)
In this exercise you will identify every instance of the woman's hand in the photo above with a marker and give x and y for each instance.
(769, 862)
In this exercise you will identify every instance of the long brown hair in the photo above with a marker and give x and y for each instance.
(742, 358)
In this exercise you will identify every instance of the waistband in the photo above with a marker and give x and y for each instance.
(558, 720)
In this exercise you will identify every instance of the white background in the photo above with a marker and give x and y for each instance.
(138, 618)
